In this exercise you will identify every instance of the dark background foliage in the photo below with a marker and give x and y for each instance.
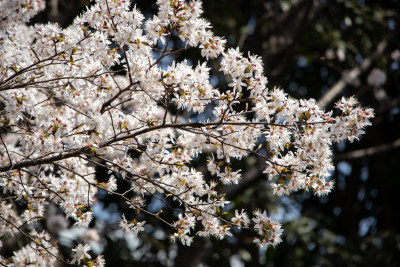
(309, 48)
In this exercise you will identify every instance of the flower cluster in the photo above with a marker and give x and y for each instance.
(132, 227)
(241, 220)
(80, 255)
(183, 226)
(96, 93)
(40, 251)
(269, 231)
(13, 12)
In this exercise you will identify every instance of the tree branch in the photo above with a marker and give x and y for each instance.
(338, 87)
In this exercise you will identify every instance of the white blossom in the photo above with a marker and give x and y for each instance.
(66, 111)
(80, 253)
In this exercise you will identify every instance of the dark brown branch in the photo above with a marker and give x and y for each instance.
(40, 161)
(108, 102)
(8, 154)
(88, 149)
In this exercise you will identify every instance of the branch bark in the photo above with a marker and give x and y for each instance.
(87, 150)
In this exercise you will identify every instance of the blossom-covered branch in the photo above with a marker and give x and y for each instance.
(97, 91)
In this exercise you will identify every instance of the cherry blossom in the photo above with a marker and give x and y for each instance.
(96, 92)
